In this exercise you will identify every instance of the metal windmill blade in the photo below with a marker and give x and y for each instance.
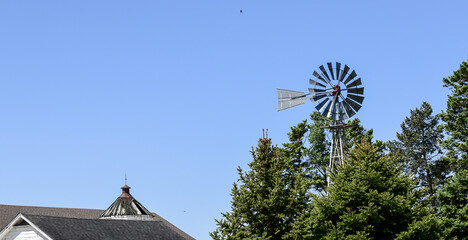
(324, 72)
(319, 77)
(355, 83)
(330, 68)
(356, 90)
(321, 105)
(318, 97)
(330, 111)
(326, 109)
(350, 77)
(319, 90)
(313, 82)
(348, 109)
(353, 105)
(356, 98)
(316, 90)
(338, 70)
(343, 74)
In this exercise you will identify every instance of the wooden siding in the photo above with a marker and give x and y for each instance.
(23, 233)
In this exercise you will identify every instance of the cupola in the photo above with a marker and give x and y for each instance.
(126, 207)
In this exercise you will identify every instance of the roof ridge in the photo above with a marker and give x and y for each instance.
(84, 219)
(51, 207)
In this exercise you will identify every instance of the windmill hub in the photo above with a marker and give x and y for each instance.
(336, 90)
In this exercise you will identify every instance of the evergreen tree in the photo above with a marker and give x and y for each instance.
(308, 146)
(295, 148)
(318, 152)
(456, 117)
(454, 195)
(454, 205)
(370, 198)
(420, 151)
(267, 199)
(358, 133)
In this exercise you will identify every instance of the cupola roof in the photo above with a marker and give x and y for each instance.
(127, 207)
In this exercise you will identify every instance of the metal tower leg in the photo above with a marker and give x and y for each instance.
(337, 148)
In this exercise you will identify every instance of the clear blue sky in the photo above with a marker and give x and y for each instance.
(175, 93)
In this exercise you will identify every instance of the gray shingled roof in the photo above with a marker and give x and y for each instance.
(8, 212)
(102, 229)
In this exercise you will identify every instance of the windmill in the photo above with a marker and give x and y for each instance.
(339, 95)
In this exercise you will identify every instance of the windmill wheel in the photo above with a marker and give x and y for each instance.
(338, 91)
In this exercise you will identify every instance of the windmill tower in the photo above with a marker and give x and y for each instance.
(339, 95)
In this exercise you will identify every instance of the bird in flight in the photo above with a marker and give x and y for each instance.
(241, 11)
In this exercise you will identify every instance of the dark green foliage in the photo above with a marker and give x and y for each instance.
(370, 198)
(374, 195)
(358, 133)
(420, 152)
(295, 149)
(318, 153)
(456, 118)
(309, 148)
(454, 205)
(426, 228)
(267, 199)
